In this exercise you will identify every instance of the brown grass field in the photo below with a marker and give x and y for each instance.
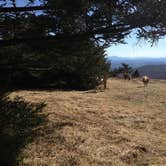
(123, 125)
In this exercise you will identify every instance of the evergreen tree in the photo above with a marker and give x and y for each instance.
(68, 65)
(125, 68)
(102, 21)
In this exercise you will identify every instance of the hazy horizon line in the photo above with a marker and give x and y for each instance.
(136, 57)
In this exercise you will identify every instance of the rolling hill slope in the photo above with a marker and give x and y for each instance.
(121, 126)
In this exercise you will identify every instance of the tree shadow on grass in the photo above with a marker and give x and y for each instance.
(18, 126)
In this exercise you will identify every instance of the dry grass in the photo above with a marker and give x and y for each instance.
(123, 125)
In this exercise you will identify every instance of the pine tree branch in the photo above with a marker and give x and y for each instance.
(23, 9)
(84, 35)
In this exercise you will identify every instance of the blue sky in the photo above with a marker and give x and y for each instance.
(23, 2)
(133, 48)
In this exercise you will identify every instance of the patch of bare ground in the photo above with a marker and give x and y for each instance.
(123, 125)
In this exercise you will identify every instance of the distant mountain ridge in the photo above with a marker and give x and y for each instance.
(153, 67)
(135, 62)
(153, 71)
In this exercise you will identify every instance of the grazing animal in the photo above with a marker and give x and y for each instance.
(145, 80)
(102, 82)
(99, 88)
(127, 76)
(105, 81)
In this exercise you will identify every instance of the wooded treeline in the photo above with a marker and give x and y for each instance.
(71, 65)
(60, 43)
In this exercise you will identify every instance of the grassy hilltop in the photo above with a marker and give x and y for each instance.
(123, 125)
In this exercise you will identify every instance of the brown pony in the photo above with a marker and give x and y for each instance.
(102, 82)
